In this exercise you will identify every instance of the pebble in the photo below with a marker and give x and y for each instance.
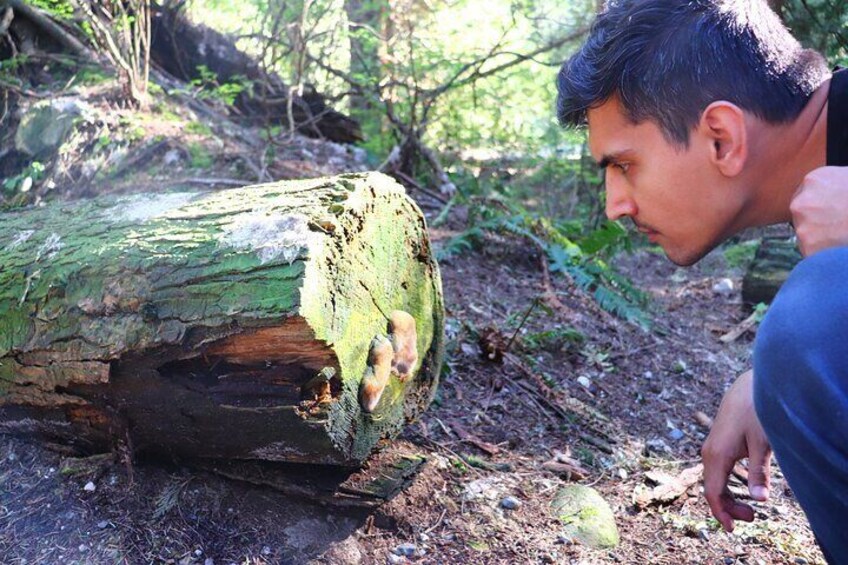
(266, 550)
(89, 487)
(423, 537)
(102, 525)
(723, 287)
(510, 503)
(704, 535)
(800, 561)
(623, 474)
(12, 457)
(209, 561)
(83, 548)
(676, 434)
(406, 550)
(396, 559)
(584, 381)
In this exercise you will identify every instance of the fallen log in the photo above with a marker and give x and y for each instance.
(182, 48)
(237, 324)
(774, 260)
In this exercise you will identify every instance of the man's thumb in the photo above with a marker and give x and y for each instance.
(759, 475)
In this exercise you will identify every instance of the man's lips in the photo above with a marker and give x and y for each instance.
(651, 234)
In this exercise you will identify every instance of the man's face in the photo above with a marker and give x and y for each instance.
(674, 195)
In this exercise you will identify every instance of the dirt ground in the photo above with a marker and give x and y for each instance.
(486, 437)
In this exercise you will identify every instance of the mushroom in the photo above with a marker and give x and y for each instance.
(404, 340)
(377, 373)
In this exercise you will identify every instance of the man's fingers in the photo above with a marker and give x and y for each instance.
(759, 474)
(716, 471)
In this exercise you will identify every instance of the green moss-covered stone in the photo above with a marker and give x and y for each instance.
(46, 126)
(586, 516)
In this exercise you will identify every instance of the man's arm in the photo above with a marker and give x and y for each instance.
(736, 434)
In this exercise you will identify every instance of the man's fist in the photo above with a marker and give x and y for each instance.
(820, 210)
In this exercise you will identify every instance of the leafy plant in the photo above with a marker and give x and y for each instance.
(24, 180)
(556, 338)
(207, 87)
(199, 156)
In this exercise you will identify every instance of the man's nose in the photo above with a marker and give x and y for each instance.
(619, 202)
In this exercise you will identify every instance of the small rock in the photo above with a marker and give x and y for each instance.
(724, 287)
(656, 446)
(406, 550)
(198, 552)
(800, 561)
(12, 457)
(172, 157)
(584, 381)
(704, 535)
(623, 474)
(676, 434)
(679, 366)
(209, 561)
(396, 559)
(83, 548)
(423, 536)
(510, 503)
(266, 550)
(564, 539)
(587, 517)
(648, 374)
(89, 487)
(102, 525)
(729, 561)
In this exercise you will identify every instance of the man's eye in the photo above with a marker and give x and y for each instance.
(622, 167)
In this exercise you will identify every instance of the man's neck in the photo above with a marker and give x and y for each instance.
(783, 155)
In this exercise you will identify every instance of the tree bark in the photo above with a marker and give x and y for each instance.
(232, 324)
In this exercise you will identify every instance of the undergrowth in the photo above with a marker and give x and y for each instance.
(580, 256)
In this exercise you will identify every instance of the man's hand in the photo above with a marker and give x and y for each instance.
(820, 210)
(736, 434)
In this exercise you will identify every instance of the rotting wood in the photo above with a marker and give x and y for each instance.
(232, 324)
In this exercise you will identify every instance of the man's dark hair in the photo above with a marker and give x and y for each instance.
(667, 60)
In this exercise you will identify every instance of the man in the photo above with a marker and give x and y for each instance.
(708, 117)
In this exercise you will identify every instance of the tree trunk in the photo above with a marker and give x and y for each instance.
(774, 260)
(235, 324)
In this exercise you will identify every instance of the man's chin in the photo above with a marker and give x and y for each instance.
(684, 257)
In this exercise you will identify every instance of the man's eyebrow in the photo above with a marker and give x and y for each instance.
(609, 158)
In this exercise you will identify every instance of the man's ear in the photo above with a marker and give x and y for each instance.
(723, 125)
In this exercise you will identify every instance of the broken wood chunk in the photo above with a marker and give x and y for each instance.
(668, 487)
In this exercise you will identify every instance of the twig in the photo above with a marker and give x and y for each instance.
(415, 184)
(521, 325)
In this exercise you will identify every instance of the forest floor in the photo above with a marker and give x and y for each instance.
(620, 401)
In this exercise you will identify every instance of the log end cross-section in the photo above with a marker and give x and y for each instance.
(234, 324)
